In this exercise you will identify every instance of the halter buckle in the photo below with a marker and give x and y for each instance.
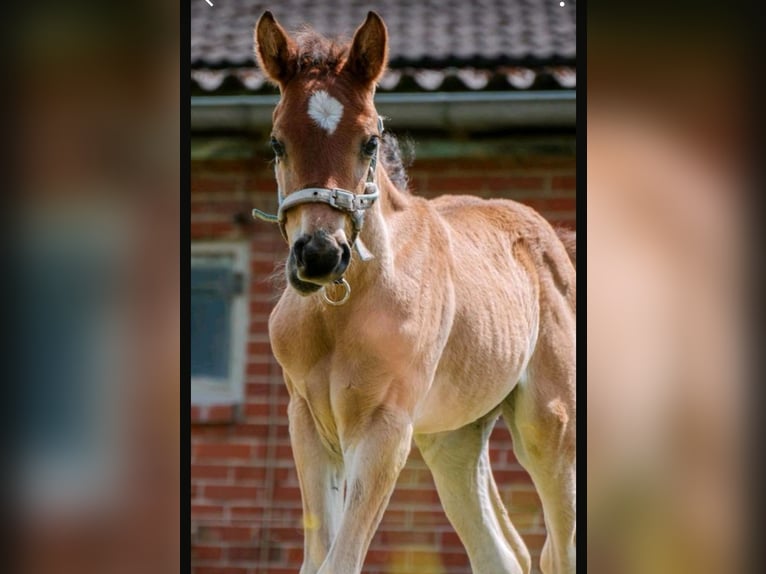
(343, 199)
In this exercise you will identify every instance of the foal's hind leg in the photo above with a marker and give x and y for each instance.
(459, 461)
(540, 413)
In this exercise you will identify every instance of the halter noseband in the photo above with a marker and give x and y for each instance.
(340, 199)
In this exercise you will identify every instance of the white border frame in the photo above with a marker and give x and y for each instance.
(203, 390)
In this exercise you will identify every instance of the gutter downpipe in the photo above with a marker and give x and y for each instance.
(473, 111)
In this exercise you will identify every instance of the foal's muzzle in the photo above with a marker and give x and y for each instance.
(319, 258)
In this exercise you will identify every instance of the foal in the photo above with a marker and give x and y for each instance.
(455, 311)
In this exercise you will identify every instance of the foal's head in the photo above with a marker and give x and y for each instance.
(325, 134)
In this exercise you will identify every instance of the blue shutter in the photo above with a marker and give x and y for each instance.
(212, 290)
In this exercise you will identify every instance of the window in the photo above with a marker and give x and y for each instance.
(73, 335)
(219, 320)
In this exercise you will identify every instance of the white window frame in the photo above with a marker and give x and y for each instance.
(206, 391)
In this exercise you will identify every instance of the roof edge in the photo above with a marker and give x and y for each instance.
(471, 111)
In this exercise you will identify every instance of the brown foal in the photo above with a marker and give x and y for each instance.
(407, 319)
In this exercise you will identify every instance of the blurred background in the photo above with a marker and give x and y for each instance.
(484, 93)
(669, 272)
(93, 232)
(92, 224)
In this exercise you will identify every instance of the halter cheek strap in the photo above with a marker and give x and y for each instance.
(340, 199)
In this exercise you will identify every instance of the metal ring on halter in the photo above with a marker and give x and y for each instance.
(343, 299)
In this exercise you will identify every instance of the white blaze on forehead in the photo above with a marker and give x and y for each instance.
(325, 110)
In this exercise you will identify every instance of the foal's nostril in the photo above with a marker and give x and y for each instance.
(298, 248)
(345, 257)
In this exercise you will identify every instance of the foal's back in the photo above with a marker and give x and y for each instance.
(505, 262)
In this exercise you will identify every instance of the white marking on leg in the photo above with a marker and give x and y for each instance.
(325, 110)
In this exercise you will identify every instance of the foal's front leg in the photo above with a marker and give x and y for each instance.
(320, 474)
(374, 457)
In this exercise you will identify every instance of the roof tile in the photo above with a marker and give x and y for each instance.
(430, 40)
(488, 29)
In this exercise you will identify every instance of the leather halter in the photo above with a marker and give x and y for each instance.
(340, 199)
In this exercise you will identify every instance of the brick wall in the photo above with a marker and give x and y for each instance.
(245, 507)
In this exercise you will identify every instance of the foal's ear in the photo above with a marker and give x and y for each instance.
(275, 50)
(369, 50)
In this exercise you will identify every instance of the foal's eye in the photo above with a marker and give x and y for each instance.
(371, 145)
(279, 149)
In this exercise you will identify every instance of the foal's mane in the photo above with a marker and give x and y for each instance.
(316, 52)
(394, 160)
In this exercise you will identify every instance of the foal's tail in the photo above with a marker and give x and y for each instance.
(569, 239)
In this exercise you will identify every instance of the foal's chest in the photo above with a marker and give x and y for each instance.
(342, 366)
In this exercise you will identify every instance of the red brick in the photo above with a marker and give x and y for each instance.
(408, 537)
(200, 471)
(259, 325)
(375, 557)
(420, 496)
(458, 558)
(218, 570)
(523, 498)
(263, 183)
(261, 268)
(228, 492)
(206, 511)
(563, 219)
(222, 451)
(223, 207)
(287, 534)
(243, 553)
(221, 413)
(224, 533)
(432, 518)
(392, 518)
(205, 433)
(413, 477)
(538, 161)
(534, 541)
(257, 163)
(564, 182)
(249, 473)
(260, 430)
(236, 533)
(417, 184)
(246, 512)
(282, 492)
(202, 230)
(463, 184)
(450, 539)
(209, 184)
(511, 477)
(257, 410)
(552, 204)
(442, 165)
(510, 184)
(258, 368)
(294, 555)
(213, 414)
(259, 473)
(257, 389)
(206, 552)
(259, 348)
(473, 163)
